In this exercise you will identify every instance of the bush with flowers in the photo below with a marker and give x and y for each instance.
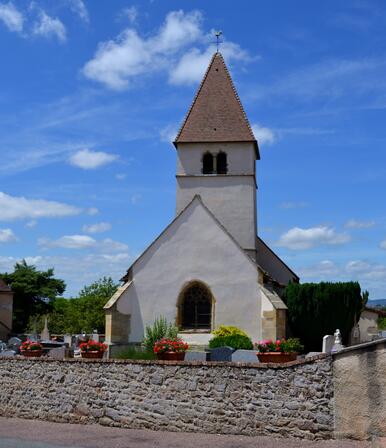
(291, 345)
(30, 346)
(175, 345)
(92, 346)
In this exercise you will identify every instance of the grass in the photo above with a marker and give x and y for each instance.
(135, 353)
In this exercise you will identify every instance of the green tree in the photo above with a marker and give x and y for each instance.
(34, 292)
(89, 305)
(84, 313)
(317, 309)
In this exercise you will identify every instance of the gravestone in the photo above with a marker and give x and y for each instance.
(221, 354)
(245, 356)
(58, 352)
(328, 342)
(196, 356)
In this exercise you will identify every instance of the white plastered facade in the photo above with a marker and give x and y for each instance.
(195, 246)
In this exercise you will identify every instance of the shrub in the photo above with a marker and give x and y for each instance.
(30, 346)
(93, 346)
(317, 309)
(290, 345)
(159, 330)
(170, 345)
(382, 323)
(228, 330)
(236, 341)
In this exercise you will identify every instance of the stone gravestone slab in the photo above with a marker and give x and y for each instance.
(196, 356)
(58, 352)
(245, 356)
(221, 354)
(328, 343)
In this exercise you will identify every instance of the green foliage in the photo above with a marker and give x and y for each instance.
(135, 353)
(317, 309)
(34, 292)
(228, 330)
(382, 323)
(291, 345)
(160, 329)
(236, 341)
(84, 313)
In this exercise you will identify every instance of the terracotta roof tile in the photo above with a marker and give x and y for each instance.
(216, 114)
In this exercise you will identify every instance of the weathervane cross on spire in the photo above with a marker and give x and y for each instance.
(218, 34)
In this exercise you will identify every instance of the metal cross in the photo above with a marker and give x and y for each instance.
(218, 34)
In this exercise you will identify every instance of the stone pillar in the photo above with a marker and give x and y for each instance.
(6, 307)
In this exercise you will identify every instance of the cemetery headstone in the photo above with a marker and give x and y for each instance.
(328, 343)
(245, 356)
(221, 354)
(196, 356)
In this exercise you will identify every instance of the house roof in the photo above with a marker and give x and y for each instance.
(216, 114)
(4, 287)
(259, 240)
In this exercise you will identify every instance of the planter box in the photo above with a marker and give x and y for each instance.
(277, 357)
(171, 356)
(92, 355)
(32, 353)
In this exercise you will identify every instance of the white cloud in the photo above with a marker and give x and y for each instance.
(354, 224)
(192, 65)
(7, 236)
(118, 62)
(299, 239)
(129, 55)
(135, 198)
(264, 135)
(68, 242)
(31, 223)
(290, 205)
(168, 133)
(11, 17)
(97, 228)
(120, 176)
(383, 244)
(14, 207)
(90, 160)
(49, 26)
(77, 271)
(106, 245)
(92, 211)
(130, 13)
(79, 8)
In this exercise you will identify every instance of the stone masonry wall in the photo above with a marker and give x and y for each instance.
(360, 391)
(227, 398)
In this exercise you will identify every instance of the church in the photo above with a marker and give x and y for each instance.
(208, 267)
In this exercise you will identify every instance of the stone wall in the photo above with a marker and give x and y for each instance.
(360, 391)
(227, 398)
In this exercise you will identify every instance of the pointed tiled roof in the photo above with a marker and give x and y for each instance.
(216, 114)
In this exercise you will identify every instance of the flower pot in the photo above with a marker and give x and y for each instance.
(171, 356)
(92, 355)
(32, 353)
(276, 357)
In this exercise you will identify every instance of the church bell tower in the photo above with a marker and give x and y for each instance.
(216, 154)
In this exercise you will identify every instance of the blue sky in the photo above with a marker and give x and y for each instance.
(93, 92)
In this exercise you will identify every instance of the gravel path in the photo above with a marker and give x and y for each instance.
(18, 433)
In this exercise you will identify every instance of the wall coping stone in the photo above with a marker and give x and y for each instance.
(243, 365)
(362, 346)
